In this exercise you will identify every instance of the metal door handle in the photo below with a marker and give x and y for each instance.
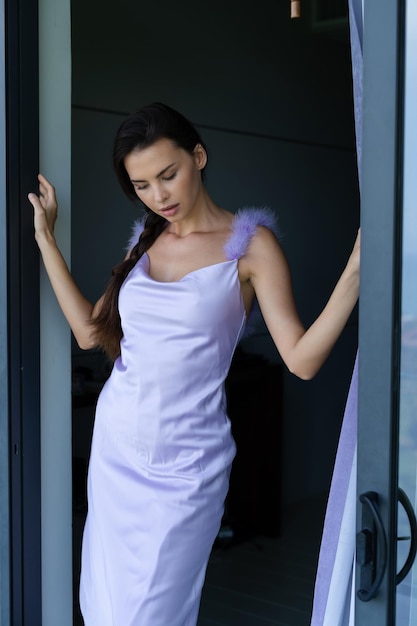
(371, 544)
(408, 508)
(371, 547)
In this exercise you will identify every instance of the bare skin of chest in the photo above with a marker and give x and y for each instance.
(172, 257)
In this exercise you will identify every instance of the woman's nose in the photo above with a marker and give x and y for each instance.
(160, 193)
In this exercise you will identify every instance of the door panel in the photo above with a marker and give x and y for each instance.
(406, 599)
(378, 310)
(387, 426)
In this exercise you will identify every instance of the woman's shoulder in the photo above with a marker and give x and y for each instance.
(247, 222)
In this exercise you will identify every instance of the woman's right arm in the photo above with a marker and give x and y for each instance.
(77, 309)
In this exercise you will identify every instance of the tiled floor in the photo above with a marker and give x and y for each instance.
(262, 581)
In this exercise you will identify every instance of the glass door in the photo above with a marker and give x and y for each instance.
(406, 601)
(387, 440)
(386, 581)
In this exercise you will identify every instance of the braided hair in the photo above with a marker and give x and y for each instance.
(140, 130)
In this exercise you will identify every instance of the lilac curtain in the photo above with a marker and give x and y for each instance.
(334, 593)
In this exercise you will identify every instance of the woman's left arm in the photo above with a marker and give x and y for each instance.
(303, 351)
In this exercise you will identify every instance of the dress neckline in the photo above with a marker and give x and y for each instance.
(188, 274)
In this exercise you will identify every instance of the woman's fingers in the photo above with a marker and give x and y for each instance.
(45, 185)
(35, 202)
(44, 206)
(47, 193)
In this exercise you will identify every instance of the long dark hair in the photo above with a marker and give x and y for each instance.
(140, 130)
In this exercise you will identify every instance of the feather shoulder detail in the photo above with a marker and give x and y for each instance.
(245, 223)
(137, 229)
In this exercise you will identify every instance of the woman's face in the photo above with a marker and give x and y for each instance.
(167, 178)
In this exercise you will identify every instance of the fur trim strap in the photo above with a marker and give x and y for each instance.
(244, 228)
(137, 230)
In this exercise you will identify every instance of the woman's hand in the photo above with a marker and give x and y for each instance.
(45, 209)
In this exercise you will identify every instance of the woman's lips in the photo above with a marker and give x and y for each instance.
(169, 211)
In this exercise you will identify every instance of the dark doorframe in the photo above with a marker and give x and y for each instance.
(19, 301)
(4, 399)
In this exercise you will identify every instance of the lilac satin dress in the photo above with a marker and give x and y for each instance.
(162, 446)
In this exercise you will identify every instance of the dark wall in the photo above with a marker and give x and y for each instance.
(272, 98)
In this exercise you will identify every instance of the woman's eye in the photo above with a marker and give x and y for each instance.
(140, 187)
(171, 176)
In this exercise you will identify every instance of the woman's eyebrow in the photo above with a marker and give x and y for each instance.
(161, 173)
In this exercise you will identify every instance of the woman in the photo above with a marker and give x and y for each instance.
(170, 319)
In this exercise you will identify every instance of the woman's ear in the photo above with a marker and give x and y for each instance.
(200, 156)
